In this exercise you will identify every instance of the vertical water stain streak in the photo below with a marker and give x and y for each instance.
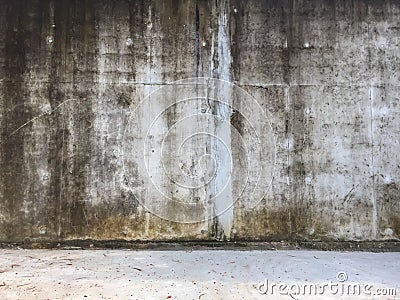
(223, 204)
(197, 46)
(82, 36)
(16, 112)
(56, 95)
(72, 78)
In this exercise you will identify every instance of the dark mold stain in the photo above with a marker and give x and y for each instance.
(58, 131)
(75, 26)
(237, 121)
(17, 112)
(236, 30)
(83, 34)
(388, 200)
(137, 25)
(197, 39)
(301, 196)
(124, 101)
(287, 52)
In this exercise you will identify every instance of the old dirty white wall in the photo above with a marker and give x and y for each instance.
(199, 120)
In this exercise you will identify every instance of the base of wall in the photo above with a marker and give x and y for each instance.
(371, 246)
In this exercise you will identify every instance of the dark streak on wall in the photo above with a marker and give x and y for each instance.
(16, 112)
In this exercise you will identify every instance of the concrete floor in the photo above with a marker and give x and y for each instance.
(216, 274)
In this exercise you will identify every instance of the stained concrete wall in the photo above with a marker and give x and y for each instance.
(73, 146)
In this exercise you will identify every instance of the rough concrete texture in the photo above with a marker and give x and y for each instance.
(99, 274)
(73, 149)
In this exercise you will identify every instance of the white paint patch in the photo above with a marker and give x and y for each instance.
(387, 179)
(42, 230)
(388, 231)
(46, 109)
(288, 143)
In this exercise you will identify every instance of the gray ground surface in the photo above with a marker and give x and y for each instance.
(215, 274)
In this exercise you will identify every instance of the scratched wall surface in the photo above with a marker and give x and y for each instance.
(324, 73)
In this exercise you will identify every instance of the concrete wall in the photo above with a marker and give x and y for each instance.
(304, 144)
